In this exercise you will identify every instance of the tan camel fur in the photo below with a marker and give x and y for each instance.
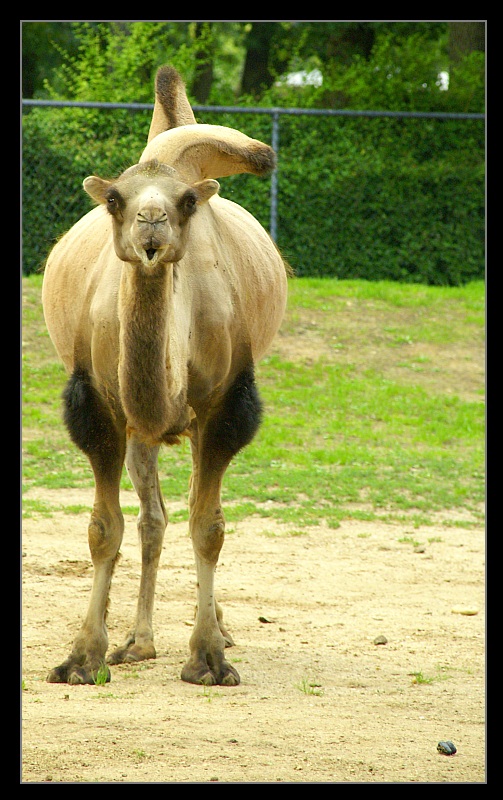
(159, 302)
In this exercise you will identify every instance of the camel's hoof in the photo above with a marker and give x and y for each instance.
(82, 677)
(229, 641)
(57, 675)
(201, 673)
(132, 653)
(77, 675)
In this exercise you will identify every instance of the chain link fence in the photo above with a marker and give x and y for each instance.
(371, 194)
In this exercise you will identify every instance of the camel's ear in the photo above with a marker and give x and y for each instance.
(96, 188)
(171, 107)
(205, 190)
(210, 151)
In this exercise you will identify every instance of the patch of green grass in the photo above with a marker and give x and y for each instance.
(338, 439)
(310, 686)
(134, 672)
(210, 694)
(332, 438)
(131, 675)
(238, 511)
(37, 508)
(180, 516)
(131, 510)
(103, 675)
(410, 540)
(77, 509)
(418, 678)
(313, 292)
(289, 532)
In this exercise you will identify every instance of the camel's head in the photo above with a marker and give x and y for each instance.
(151, 211)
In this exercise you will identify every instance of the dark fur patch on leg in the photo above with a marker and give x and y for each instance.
(89, 421)
(237, 420)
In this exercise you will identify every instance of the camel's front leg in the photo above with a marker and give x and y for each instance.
(87, 658)
(93, 428)
(141, 463)
(214, 443)
(207, 664)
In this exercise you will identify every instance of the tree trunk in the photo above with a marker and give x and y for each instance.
(465, 37)
(349, 38)
(257, 75)
(203, 79)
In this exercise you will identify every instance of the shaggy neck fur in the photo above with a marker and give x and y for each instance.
(151, 378)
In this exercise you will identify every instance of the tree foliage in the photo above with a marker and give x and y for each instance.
(372, 198)
(400, 61)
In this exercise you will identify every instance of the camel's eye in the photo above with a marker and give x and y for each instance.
(188, 203)
(113, 204)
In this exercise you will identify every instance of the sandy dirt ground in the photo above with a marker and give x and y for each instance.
(319, 700)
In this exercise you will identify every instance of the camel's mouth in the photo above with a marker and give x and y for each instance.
(150, 257)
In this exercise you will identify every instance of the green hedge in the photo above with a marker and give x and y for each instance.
(358, 198)
(410, 226)
(379, 198)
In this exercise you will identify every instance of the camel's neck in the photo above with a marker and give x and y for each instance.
(152, 376)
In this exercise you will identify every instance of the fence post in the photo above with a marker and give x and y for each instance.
(274, 177)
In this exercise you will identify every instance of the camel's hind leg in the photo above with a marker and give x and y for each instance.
(94, 429)
(214, 443)
(141, 463)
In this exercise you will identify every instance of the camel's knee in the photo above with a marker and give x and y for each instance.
(105, 534)
(208, 536)
(151, 528)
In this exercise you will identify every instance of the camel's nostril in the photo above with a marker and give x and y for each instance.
(151, 253)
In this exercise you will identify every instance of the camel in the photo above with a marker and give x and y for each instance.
(159, 302)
